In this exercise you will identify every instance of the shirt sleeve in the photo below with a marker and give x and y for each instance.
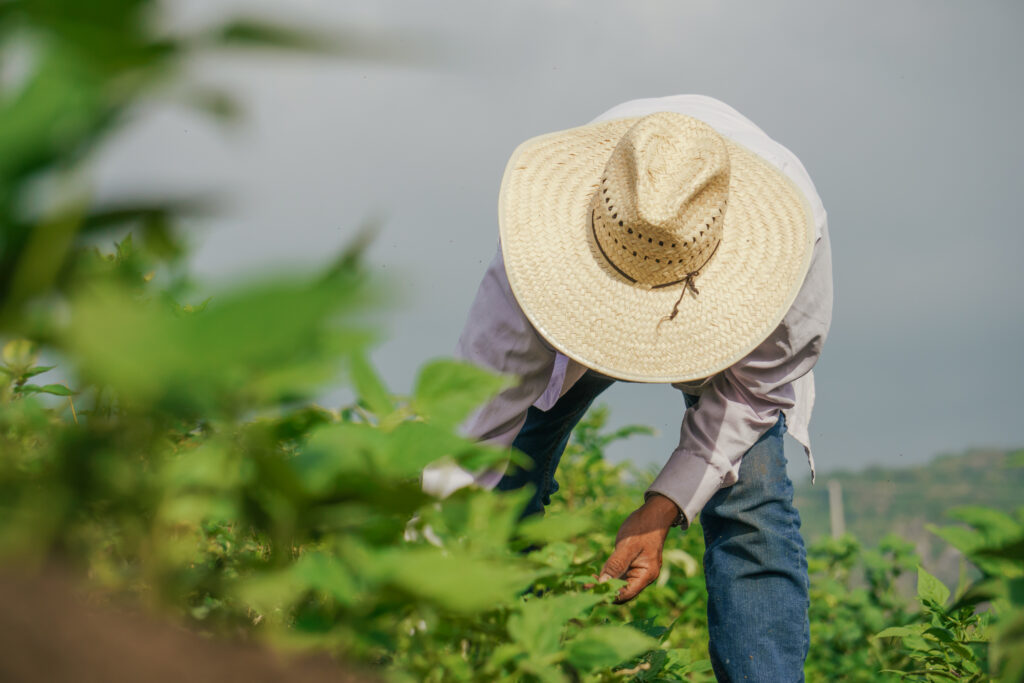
(497, 336)
(742, 402)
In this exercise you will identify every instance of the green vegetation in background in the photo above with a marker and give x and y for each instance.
(180, 461)
(881, 500)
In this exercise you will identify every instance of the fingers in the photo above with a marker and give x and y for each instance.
(632, 565)
(637, 554)
(637, 579)
(619, 562)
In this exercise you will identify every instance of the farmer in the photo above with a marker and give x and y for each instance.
(669, 240)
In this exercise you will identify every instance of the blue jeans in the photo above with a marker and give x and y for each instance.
(755, 565)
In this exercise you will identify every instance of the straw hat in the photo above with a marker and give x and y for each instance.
(651, 249)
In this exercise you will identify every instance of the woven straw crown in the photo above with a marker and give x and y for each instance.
(657, 216)
(651, 249)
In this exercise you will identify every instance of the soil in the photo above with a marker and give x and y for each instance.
(51, 631)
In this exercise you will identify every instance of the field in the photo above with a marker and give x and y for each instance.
(163, 443)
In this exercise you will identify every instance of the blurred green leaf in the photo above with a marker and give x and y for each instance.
(141, 212)
(269, 343)
(993, 524)
(549, 528)
(1010, 653)
(369, 386)
(59, 109)
(215, 103)
(456, 582)
(538, 625)
(264, 34)
(55, 389)
(38, 370)
(900, 632)
(448, 391)
(354, 449)
(605, 646)
(1010, 551)
(323, 573)
(963, 539)
(931, 589)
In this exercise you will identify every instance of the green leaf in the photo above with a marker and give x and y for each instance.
(698, 667)
(560, 527)
(943, 635)
(38, 370)
(261, 34)
(981, 591)
(649, 627)
(114, 215)
(369, 386)
(1009, 645)
(899, 632)
(56, 390)
(447, 391)
(930, 588)
(57, 109)
(601, 647)
(1009, 551)
(356, 449)
(457, 582)
(265, 344)
(964, 540)
(325, 574)
(995, 525)
(215, 103)
(539, 624)
(125, 248)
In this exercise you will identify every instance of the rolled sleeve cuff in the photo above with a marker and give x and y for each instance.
(689, 481)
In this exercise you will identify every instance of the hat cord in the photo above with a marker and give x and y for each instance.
(687, 280)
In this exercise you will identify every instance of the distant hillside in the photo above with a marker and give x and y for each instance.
(878, 501)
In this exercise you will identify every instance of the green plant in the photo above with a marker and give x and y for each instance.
(978, 635)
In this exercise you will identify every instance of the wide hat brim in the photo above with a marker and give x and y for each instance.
(584, 308)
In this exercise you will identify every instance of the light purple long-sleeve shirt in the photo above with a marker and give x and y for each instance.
(736, 406)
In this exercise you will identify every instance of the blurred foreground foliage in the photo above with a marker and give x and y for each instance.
(166, 443)
(169, 448)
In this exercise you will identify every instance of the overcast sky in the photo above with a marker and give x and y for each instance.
(906, 114)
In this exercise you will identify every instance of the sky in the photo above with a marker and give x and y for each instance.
(906, 115)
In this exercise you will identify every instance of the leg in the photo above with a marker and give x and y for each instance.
(756, 571)
(544, 437)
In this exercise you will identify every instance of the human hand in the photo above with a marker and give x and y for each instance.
(638, 546)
